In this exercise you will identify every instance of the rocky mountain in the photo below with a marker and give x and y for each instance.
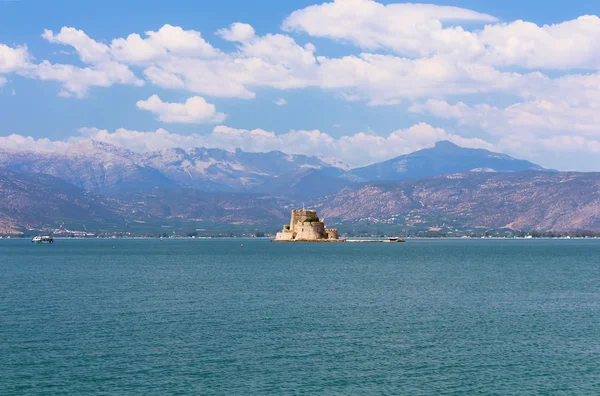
(39, 201)
(90, 165)
(106, 169)
(221, 170)
(519, 200)
(34, 200)
(445, 158)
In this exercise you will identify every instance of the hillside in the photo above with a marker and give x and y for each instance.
(37, 200)
(521, 201)
(305, 183)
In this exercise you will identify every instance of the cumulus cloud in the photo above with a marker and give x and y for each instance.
(408, 29)
(280, 102)
(427, 54)
(423, 30)
(181, 59)
(13, 59)
(543, 117)
(89, 50)
(571, 44)
(16, 142)
(195, 110)
(77, 81)
(387, 79)
(158, 45)
(241, 32)
(102, 72)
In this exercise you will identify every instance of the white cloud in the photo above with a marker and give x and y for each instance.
(543, 117)
(76, 81)
(215, 78)
(241, 32)
(195, 110)
(408, 29)
(571, 44)
(280, 102)
(3, 81)
(181, 59)
(386, 79)
(16, 142)
(444, 58)
(168, 40)
(432, 55)
(89, 50)
(103, 72)
(423, 30)
(13, 59)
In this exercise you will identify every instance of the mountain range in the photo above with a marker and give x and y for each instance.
(98, 186)
(106, 169)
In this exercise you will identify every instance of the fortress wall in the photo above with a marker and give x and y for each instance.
(284, 236)
(299, 215)
(310, 231)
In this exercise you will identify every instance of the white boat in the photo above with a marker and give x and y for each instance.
(42, 239)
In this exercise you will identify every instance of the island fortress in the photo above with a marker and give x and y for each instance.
(306, 226)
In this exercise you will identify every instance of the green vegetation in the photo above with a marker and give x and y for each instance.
(311, 219)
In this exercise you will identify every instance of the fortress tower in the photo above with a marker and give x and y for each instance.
(305, 225)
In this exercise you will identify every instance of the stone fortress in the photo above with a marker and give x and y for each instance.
(306, 226)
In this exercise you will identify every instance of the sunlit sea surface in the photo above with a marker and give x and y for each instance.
(199, 317)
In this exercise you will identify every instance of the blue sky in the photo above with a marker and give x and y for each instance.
(359, 80)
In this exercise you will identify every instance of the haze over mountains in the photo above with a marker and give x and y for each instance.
(444, 158)
(100, 186)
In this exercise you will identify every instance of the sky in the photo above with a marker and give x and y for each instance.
(359, 80)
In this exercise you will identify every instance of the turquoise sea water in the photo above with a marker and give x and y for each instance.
(201, 317)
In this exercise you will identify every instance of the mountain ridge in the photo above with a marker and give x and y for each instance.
(108, 169)
(97, 183)
(444, 158)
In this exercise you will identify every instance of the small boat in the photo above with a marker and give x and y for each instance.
(396, 239)
(42, 239)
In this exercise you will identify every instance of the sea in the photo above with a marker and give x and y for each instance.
(251, 317)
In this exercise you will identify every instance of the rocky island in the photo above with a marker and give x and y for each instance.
(306, 226)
